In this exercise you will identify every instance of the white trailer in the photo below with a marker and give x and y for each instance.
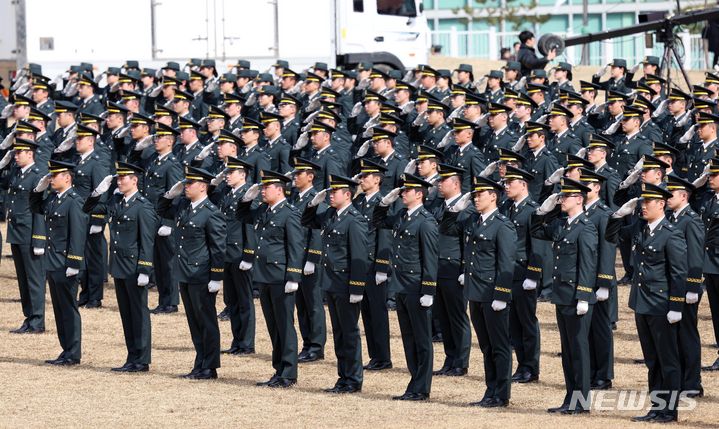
(57, 33)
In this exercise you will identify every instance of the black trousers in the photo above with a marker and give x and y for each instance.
(376, 320)
(237, 296)
(415, 325)
(601, 342)
(31, 282)
(93, 276)
(279, 308)
(711, 282)
(524, 329)
(202, 319)
(311, 314)
(348, 344)
(690, 348)
(163, 254)
(450, 308)
(574, 336)
(135, 316)
(661, 355)
(63, 292)
(492, 328)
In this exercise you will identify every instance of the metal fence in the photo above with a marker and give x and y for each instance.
(486, 44)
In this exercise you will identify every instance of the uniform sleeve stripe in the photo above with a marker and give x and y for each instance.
(294, 270)
(502, 289)
(145, 263)
(39, 237)
(74, 257)
(315, 252)
(606, 276)
(585, 289)
(356, 283)
(693, 280)
(535, 269)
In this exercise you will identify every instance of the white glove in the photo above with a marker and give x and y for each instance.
(529, 284)
(65, 145)
(462, 203)
(356, 109)
(355, 299)
(70, 272)
(291, 287)
(674, 316)
(317, 199)
(460, 279)
(631, 179)
(542, 119)
(660, 108)
(582, 307)
(95, 229)
(8, 140)
(155, 92)
(362, 151)
(420, 119)
(214, 286)
(411, 166)
(38, 251)
(143, 279)
(251, 193)
(684, 120)
(490, 169)
(43, 183)
(602, 71)
(245, 266)
(701, 180)
(144, 143)
(380, 277)
(363, 84)
(626, 209)
(639, 164)
(582, 152)
(219, 178)
(6, 159)
(555, 177)
(446, 140)
(549, 204)
(635, 68)
(498, 305)
(103, 186)
(368, 132)
(205, 152)
(302, 141)
(164, 231)
(602, 294)
(688, 135)
(175, 191)
(614, 127)
(7, 111)
(426, 300)
(391, 197)
(520, 143)
(692, 297)
(309, 268)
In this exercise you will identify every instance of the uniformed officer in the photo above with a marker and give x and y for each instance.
(394, 163)
(686, 220)
(27, 236)
(710, 216)
(373, 307)
(277, 147)
(598, 150)
(278, 269)
(344, 274)
(657, 295)
(323, 154)
(616, 81)
(239, 256)
(527, 275)
(414, 260)
(133, 223)
(310, 312)
(601, 341)
(574, 245)
(490, 245)
(200, 234)
(251, 151)
(501, 136)
(541, 163)
(563, 141)
(465, 155)
(64, 254)
(450, 309)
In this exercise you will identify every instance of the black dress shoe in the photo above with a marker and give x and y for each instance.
(624, 280)
(437, 338)
(559, 409)
(378, 365)
(527, 377)
(268, 382)
(191, 373)
(412, 397)
(21, 330)
(35, 331)
(123, 368)
(311, 357)
(664, 418)
(517, 375)
(255, 293)
(712, 367)
(694, 393)
(495, 403)
(82, 303)
(245, 351)
(442, 371)
(456, 372)
(638, 361)
(302, 354)
(402, 397)
(93, 304)
(139, 367)
(391, 305)
(283, 383)
(231, 351)
(570, 411)
(480, 403)
(68, 362)
(204, 374)
(650, 416)
(601, 385)
(55, 361)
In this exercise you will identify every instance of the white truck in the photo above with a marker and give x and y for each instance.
(57, 33)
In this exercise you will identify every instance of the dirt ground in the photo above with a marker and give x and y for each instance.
(33, 394)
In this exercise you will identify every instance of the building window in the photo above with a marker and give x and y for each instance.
(47, 43)
(396, 7)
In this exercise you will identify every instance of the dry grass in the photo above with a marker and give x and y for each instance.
(37, 395)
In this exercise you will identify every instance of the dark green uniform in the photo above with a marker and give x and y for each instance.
(710, 215)
(133, 224)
